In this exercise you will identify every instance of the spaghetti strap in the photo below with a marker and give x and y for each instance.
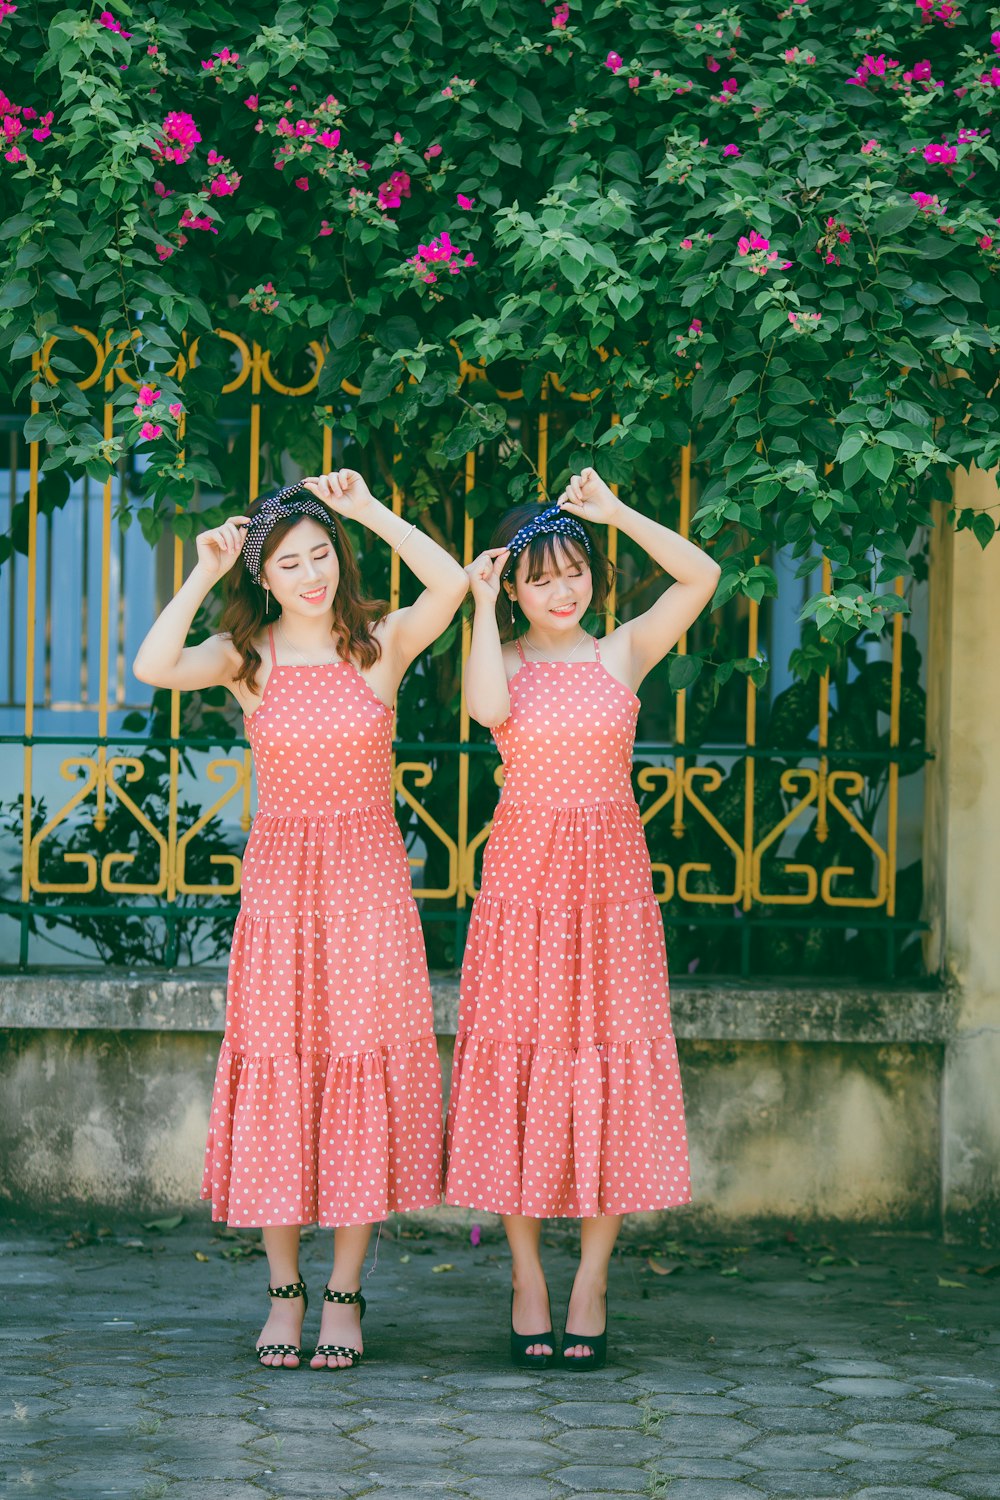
(270, 641)
(520, 652)
(597, 649)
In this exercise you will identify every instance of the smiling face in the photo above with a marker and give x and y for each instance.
(302, 570)
(553, 584)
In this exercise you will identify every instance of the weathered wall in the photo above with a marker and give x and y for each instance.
(803, 1104)
(962, 852)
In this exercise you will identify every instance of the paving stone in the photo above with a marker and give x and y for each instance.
(787, 1394)
(803, 1450)
(599, 1446)
(605, 1480)
(976, 1486)
(861, 1367)
(905, 1436)
(498, 1487)
(706, 1434)
(505, 1424)
(683, 1466)
(847, 1385)
(595, 1414)
(677, 1405)
(822, 1419)
(488, 1455)
(957, 1420)
(713, 1489)
(911, 1492)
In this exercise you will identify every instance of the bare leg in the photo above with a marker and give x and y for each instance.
(341, 1322)
(531, 1295)
(284, 1324)
(586, 1312)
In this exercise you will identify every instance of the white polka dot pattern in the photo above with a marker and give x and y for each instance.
(566, 1093)
(327, 1102)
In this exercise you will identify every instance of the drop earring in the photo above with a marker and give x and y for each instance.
(267, 601)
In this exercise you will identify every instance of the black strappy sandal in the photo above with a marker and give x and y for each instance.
(291, 1289)
(331, 1351)
(520, 1343)
(596, 1342)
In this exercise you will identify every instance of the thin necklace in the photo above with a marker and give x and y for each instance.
(298, 653)
(556, 661)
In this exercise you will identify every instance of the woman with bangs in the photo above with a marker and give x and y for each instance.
(566, 1095)
(327, 1100)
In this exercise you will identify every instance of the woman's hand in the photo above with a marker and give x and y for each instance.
(484, 575)
(219, 548)
(343, 491)
(589, 499)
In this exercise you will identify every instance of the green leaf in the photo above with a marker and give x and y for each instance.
(924, 293)
(983, 528)
(878, 460)
(741, 382)
(895, 218)
(16, 294)
(791, 391)
(961, 285)
(684, 671)
(344, 327)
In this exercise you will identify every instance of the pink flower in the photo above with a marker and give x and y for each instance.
(695, 328)
(431, 152)
(712, 65)
(6, 10)
(197, 221)
(302, 183)
(614, 62)
(940, 153)
(755, 241)
(392, 193)
(108, 21)
(687, 244)
(464, 202)
(252, 101)
(447, 92)
(633, 83)
(326, 227)
(928, 203)
(148, 394)
(164, 251)
(985, 242)
(475, 1233)
(869, 147)
(180, 130)
(730, 86)
(152, 50)
(397, 139)
(149, 430)
(560, 17)
(222, 186)
(175, 409)
(990, 80)
(731, 150)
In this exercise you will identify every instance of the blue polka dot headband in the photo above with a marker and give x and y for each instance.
(553, 521)
(278, 507)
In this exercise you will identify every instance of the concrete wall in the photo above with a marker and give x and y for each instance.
(962, 851)
(803, 1104)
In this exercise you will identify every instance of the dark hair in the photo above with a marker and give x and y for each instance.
(543, 552)
(245, 610)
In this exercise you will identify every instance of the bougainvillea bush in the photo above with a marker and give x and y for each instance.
(773, 229)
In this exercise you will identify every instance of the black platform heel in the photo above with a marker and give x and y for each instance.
(520, 1343)
(596, 1342)
(291, 1289)
(328, 1351)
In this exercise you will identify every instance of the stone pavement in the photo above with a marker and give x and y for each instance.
(864, 1366)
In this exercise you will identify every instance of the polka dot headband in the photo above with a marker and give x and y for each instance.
(553, 521)
(279, 507)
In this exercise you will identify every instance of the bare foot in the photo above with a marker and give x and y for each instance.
(587, 1313)
(340, 1324)
(283, 1326)
(530, 1312)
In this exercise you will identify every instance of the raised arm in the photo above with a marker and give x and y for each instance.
(652, 634)
(487, 695)
(408, 631)
(163, 660)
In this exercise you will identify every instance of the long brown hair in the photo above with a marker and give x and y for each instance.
(246, 604)
(542, 555)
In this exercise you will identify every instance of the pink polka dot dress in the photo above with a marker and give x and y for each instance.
(566, 1092)
(327, 1101)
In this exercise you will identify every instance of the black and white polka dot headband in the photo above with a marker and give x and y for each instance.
(278, 507)
(553, 521)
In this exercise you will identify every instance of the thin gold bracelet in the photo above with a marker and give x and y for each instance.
(404, 537)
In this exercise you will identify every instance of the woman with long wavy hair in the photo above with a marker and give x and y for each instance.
(327, 1101)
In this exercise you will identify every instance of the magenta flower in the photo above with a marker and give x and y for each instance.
(329, 138)
(560, 17)
(754, 241)
(695, 329)
(223, 185)
(994, 38)
(940, 153)
(252, 101)
(302, 183)
(464, 202)
(869, 147)
(985, 242)
(6, 9)
(928, 203)
(687, 244)
(712, 64)
(431, 152)
(182, 134)
(108, 21)
(730, 86)
(197, 221)
(614, 62)
(990, 80)
(731, 150)
(175, 408)
(164, 251)
(148, 394)
(392, 193)
(149, 430)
